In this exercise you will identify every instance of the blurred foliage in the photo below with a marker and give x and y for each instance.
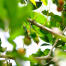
(13, 18)
(41, 53)
(60, 54)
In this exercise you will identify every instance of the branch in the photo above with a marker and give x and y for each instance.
(64, 30)
(43, 58)
(51, 31)
(60, 36)
(6, 56)
(48, 56)
(55, 43)
(53, 47)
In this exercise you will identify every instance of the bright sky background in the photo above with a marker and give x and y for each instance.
(33, 47)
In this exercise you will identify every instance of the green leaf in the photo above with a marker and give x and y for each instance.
(39, 53)
(2, 26)
(60, 42)
(64, 47)
(24, 12)
(44, 44)
(46, 36)
(60, 54)
(46, 51)
(32, 59)
(62, 37)
(45, 12)
(55, 21)
(34, 36)
(50, 37)
(38, 17)
(16, 27)
(2, 14)
(14, 33)
(11, 6)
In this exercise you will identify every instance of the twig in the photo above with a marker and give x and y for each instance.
(43, 58)
(6, 56)
(64, 30)
(47, 29)
(41, 26)
(50, 30)
(48, 56)
(55, 43)
(53, 47)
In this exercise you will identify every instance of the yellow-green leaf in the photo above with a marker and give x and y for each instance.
(33, 1)
(44, 2)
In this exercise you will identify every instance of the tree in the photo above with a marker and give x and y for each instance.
(33, 25)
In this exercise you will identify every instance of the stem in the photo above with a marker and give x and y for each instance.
(6, 56)
(43, 58)
(53, 47)
(48, 56)
(64, 30)
(51, 31)
(60, 36)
